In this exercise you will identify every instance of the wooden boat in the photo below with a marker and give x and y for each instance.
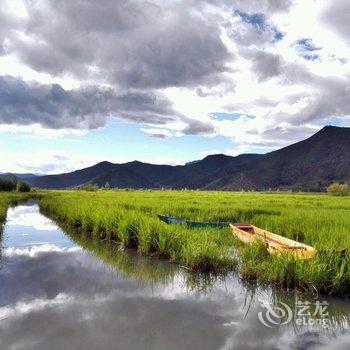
(275, 244)
(192, 224)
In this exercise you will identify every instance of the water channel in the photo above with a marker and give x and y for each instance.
(64, 290)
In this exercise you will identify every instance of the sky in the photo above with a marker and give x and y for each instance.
(166, 81)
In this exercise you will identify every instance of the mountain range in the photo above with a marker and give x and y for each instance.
(309, 165)
(24, 177)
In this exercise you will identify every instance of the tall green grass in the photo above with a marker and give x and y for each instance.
(130, 218)
(318, 220)
(102, 216)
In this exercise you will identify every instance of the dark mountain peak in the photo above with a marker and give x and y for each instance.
(218, 156)
(328, 128)
(311, 164)
(330, 135)
(99, 167)
(104, 163)
(135, 162)
(216, 159)
(331, 127)
(223, 159)
(323, 140)
(333, 130)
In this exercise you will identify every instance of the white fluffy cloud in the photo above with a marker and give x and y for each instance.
(281, 65)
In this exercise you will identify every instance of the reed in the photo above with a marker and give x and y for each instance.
(129, 217)
(103, 217)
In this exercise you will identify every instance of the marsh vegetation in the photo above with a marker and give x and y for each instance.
(129, 217)
(72, 281)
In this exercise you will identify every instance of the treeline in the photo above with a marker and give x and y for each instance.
(13, 184)
(338, 189)
(91, 187)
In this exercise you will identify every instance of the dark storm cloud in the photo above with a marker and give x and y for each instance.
(265, 64)
(331, 100)
(132, 44)
(197, 127)
(337, 16)
(53, 107)
(8, 25)
(326, 96)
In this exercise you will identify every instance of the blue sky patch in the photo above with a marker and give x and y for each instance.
(307, 49)
(230, 116)
(278, 35)
(256, 19)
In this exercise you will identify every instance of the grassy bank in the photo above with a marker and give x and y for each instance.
(130, 217)
(104, 216)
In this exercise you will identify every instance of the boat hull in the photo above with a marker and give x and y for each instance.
(192, 224)
(275, 244)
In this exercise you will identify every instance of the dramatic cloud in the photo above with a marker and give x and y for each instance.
(86, 108)
(337, 16)
(133, 44)
(329, 98)
(7, 25)
(265, 65)
(277, 66)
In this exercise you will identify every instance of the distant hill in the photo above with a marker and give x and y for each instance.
(309, 165)
(73, 179)
(19, 176)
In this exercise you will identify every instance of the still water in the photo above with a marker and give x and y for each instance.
(67, 291)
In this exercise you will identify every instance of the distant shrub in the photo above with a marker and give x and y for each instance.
(89, 187)
(8, 184)
(23, 186)
(338, 189)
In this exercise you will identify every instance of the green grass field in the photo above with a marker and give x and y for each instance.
(319, 220)
(130, 217)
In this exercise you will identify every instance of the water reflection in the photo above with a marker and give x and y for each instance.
(72, 292)
(26, 227)
(29, 216)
